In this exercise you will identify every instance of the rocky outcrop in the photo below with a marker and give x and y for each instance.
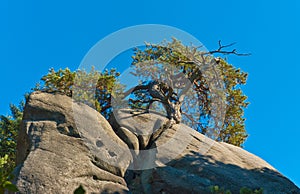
(194, 162)
(55, 154)
(63, 144)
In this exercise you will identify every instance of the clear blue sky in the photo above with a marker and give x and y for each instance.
(37, 35)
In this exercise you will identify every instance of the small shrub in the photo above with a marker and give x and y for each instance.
(217, 190)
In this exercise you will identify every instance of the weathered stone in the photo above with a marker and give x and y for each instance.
(109, 151)
(189, 162)
(129, 138)
(141, 124)
(63, 144)
(51, 159)
(204, 163)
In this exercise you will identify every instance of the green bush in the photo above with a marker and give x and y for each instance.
(217, 190)
(93, 88)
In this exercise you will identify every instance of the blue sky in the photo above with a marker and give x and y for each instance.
(37, 35)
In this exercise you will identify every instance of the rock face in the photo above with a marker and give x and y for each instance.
(194, 162)
(56, 155)
(63, 144)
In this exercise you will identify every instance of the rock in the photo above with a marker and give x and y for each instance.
(56, 155)
(63, 144)
(129, 138)
(141, 124)
(189, 162)
(223, 164)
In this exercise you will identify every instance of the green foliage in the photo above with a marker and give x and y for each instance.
(234, 123)
(211, 79)
(93, 88)
(217, 190)
(59, 81)
(9, 127)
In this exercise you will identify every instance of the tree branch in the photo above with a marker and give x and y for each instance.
(190, 118)
(135, 88)
(224, 52)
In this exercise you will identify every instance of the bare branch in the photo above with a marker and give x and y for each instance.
(224, 52)
(225, 46)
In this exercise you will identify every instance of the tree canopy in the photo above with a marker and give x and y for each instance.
(193, 87)
(93, 88)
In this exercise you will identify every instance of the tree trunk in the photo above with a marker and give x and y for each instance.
(174, 111)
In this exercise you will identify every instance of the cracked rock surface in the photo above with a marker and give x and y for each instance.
(63, 144)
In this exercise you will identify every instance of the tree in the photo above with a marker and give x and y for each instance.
(9, 127)
(189, 85)
(192, 87)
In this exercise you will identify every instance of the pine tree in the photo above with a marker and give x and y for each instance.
(193, 87)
